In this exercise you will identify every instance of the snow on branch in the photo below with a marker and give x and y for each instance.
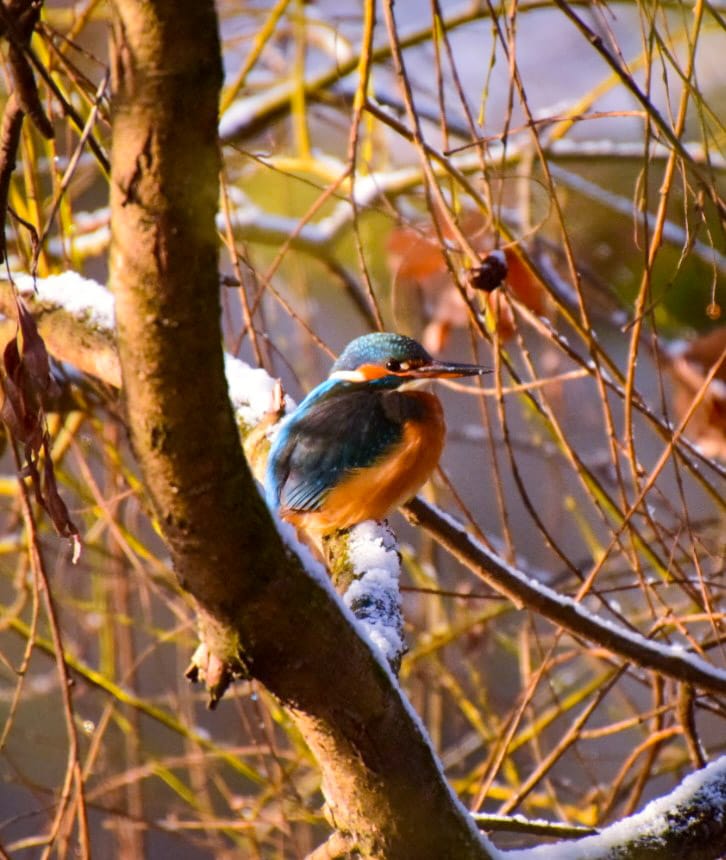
(81, 297)
(92, 231)
(75, 318)
(690, 822)
(251, 392)
(671, 660)
(672, 233)
(368, 578)
(366, 559)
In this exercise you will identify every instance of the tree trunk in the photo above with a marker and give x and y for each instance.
(259, 607)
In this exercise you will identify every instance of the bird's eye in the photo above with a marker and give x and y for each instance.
(393, 364)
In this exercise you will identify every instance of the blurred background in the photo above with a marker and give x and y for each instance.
(347, 207)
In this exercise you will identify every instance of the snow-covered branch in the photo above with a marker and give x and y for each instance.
(689, 818)
(76, 318)
(689, 824)
(671, 660)
(255, 224)
(371, 549)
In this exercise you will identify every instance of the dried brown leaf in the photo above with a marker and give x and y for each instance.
(34, 354)
(52, 501)
(11, 358)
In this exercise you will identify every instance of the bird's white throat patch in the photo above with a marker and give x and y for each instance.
(349, 376)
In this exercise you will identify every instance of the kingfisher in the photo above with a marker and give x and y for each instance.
(362, 442)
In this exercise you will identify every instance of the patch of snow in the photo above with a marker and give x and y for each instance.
(246, 110)
(80, 296)
(202, 733)
(374, 596)
(251, 390)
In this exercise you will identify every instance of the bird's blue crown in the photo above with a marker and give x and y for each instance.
(378, 348)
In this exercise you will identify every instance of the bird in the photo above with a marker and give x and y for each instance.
(362, 442)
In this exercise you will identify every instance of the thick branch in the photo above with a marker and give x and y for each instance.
(79, 334)
(380, 774)
(698, 802)
(689, 823)
(78, 329)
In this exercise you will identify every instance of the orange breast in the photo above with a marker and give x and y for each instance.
(373, 492)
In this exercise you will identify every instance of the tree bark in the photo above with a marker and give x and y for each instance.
(260, 609)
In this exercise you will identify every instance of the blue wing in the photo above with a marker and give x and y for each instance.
(329, 435)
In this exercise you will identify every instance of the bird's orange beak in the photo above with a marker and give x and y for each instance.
(445, 370)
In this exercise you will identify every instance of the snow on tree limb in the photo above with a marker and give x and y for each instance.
(677, 825)
(368, 558)
(251, 392)
(689, 823)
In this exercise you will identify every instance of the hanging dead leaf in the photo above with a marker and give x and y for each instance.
(414, 254)
(53, 503)
(26, 379)
(34, 354)
(11, 358)
(523, 283)
(21, 410)
(19, 414)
